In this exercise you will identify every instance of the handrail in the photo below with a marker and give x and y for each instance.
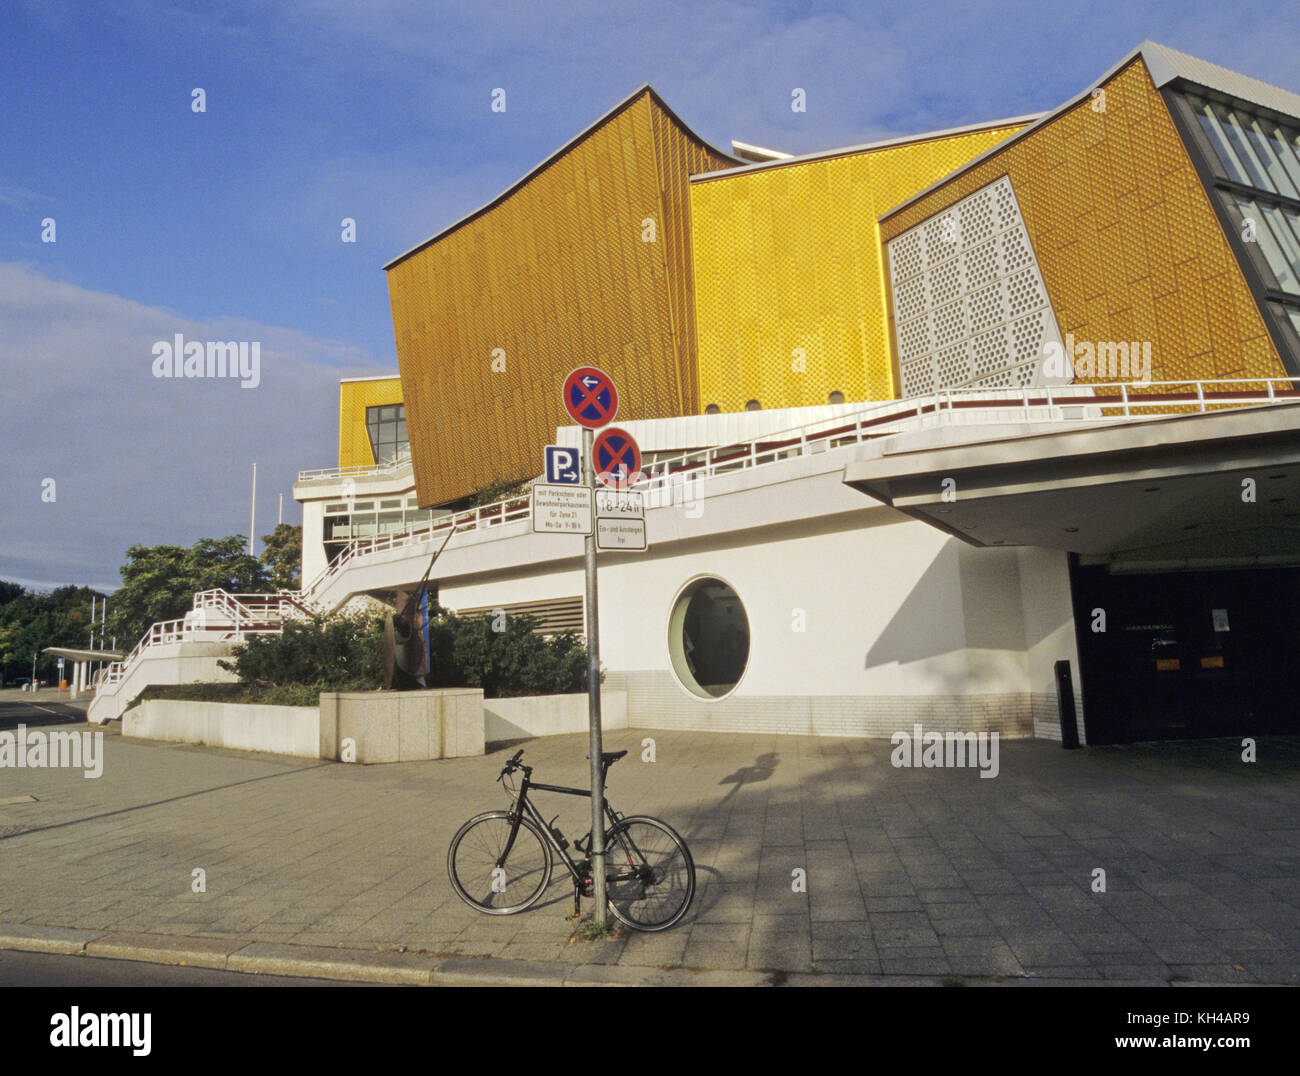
(263, 613)
(373, 470)
(851, 428)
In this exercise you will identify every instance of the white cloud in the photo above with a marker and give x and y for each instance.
(138, 459)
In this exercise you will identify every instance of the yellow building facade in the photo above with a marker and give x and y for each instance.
(356, 396)
(1125, 233)
(789, 291)
(585, 261)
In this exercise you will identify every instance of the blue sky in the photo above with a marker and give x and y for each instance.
(226, 224)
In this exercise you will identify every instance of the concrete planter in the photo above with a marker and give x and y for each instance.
(373, 726)
(280, 730)
(405, 726)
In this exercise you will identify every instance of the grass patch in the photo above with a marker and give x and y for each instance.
(594, 932)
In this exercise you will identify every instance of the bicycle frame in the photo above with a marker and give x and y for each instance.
(524, 806)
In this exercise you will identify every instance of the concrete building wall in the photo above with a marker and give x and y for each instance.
(854, 629)
(1049, 635)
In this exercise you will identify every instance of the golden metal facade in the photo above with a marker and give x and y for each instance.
(1127, 240)
(584, 262)
(354, 398)
(790, 299)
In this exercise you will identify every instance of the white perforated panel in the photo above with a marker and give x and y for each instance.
(970, 308)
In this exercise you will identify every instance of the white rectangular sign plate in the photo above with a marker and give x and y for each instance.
(620, 504)
(561, 509)
(621, 535)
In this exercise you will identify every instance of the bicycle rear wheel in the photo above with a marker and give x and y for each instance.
(478, 873)
(649, 874)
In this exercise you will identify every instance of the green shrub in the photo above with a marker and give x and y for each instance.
(504, 656)
(344, 653)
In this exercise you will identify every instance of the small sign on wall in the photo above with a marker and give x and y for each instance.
(1220, 619)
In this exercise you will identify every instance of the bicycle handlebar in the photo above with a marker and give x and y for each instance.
(512, 764)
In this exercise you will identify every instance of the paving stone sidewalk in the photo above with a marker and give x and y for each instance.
(912, 874)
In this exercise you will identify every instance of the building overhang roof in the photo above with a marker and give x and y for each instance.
(84, 655)
(1166, 490)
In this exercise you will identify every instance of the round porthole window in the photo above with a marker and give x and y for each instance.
(708, 638)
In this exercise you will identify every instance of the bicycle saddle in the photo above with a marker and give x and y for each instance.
(610, 757)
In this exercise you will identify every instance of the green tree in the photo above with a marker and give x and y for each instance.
(31, 621)
(282, 556)
(159, 582)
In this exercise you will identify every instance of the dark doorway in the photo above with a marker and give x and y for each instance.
(1188, 654)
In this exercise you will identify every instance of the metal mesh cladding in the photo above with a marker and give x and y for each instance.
(1126, 240)
(969, 301)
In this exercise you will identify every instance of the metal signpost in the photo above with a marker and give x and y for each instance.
(592, 401)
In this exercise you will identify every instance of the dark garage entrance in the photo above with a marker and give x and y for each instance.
(1188, 654)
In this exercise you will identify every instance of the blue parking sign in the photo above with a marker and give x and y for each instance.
(562, 466)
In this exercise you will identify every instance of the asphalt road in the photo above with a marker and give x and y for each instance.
(45, 969)
(18, 708)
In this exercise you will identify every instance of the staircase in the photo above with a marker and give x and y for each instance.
(188, 650)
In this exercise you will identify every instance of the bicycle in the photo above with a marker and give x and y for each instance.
(506, 858)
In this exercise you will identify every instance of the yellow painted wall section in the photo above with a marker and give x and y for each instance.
(787, 264)
(354, 398)
(490, 317)
(1127, 240)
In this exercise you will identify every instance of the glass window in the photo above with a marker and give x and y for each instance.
(1286, 149)
(1278, 178)
(1281, 249)
(1245, 155)
(386, 426)
(1210, 125)
(708, 638)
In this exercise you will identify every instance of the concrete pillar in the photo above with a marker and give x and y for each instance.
(78, 678)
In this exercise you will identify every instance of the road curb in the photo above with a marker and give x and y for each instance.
(67, 941)
(441, 969)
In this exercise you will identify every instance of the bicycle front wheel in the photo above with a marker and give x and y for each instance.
(493, 873)
(649, 874)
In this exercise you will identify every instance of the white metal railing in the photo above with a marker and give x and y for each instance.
(1058, 403)
(265, 613)
(374, 470)
(247, 614)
